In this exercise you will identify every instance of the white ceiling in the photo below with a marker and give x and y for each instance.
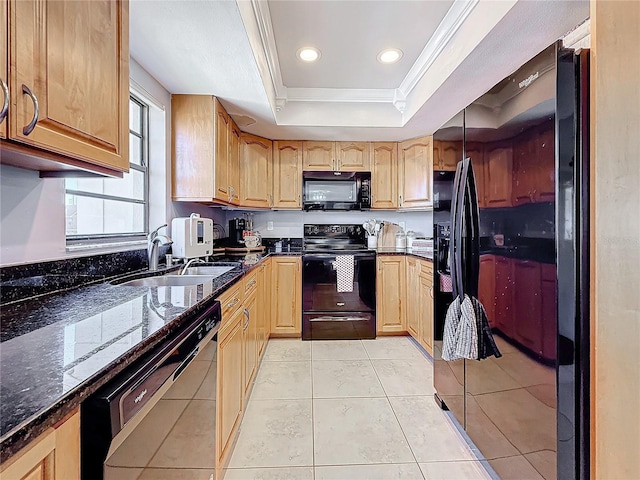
(244, 53)
(350, 34)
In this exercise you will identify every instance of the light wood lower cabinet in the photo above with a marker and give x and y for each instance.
(412, 294)
(249, 342)
(286, 320)
(425, 284)
(229, 388)
(54, 455)
(264, 305)
(390, 294)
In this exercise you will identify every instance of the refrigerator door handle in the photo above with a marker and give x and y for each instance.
(458, 241)
(452, 235)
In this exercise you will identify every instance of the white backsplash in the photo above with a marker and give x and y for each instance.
(288, 224)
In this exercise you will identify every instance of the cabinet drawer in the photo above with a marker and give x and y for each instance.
(231, 300)
(251, 282)
(426, 267)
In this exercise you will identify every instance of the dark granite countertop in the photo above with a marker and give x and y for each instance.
(393, 251)
(61, 347)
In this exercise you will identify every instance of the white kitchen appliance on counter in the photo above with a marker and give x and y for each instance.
(192, 236)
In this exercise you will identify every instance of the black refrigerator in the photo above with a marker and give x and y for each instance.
(521, 244)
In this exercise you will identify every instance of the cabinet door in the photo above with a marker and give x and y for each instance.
(437, 155)
(221, 158)
(390, 286)
(264, 305)
(412, 297)
(255, 171)
(4, 77)
(233, 159)
(286, 317)
(353, 156)
(498, 176)
(524, 169)
(546, 162)
(416, 161)
(549, 311)
(229, 389)
(504, 300)
(287, 175)
(318, 156)
(451, 154)
(426, 309)
(193, 148)
(384, 175)
(487, 287)
(475, 151)
(527, 304)
(74, 58)
(249, 342)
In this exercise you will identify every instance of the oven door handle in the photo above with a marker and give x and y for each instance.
(324, 256)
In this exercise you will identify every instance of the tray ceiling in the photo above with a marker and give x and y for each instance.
(244, 52)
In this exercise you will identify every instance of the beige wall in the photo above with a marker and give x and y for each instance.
(615, 277)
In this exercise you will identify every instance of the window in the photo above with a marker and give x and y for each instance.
(104, 210)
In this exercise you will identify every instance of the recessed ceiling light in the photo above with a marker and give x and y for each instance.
(308, 54)
(390, 55)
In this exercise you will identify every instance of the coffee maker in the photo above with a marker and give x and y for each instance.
(237, 227)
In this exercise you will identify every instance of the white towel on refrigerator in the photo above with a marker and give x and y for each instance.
(344, 266)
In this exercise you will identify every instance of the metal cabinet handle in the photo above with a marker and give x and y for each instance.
(233, 302)
(36, 110)
(431, 291)
(246, 324)
(251, 283)
(5, 105)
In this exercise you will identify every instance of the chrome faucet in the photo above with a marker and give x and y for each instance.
(188, 264)
(153, 240)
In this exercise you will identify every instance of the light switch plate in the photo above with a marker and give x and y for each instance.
(269, 226)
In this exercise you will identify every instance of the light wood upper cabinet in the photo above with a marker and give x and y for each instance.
(318, 155)
(390, 292)
(498, 176)
(384, 175)
(255, 171)
(222, 143)
(202, 137)
(286, 305)
(287, 175)
(233, 168)
(54, 455)
(4, 77)
(73, 57)
(415, 160)
(353, 156)
(336, 156)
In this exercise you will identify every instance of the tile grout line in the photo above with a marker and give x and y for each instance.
(397, 419)
(313, 423)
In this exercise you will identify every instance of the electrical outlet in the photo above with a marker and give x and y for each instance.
(269, 226)
(403, 225)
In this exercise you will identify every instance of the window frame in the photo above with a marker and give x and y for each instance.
(121, 238)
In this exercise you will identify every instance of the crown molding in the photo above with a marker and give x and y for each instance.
(450, 24)
(397, 97)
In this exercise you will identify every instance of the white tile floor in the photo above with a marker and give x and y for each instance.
(348, 410)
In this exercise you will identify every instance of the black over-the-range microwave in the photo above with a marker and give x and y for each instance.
(336, 190)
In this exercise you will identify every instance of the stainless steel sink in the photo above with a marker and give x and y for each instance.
(210, 270)
(169, 281)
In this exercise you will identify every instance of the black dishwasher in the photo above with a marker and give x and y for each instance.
(107, 412)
